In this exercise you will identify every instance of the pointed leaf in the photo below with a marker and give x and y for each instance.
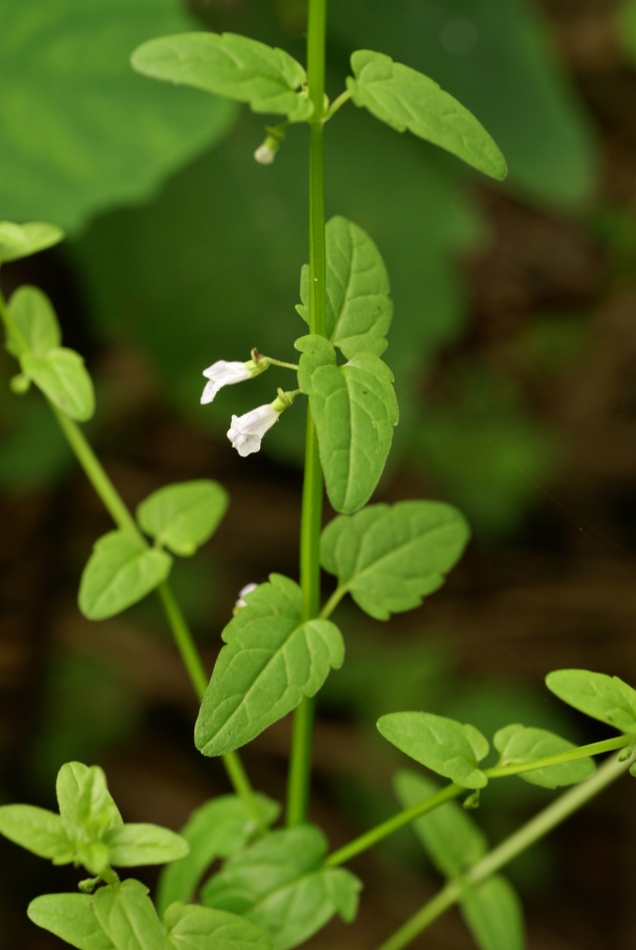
(272, 659)
(517, 745)
(219, 828)
(61, 376)
(136, 844)
(406, 99)
(359, 309)
(354, 410)
(193, 927)
(183, 517)
(442, 745)
(450, 837)
(127, 915)
(21, 240)
(119, 572)
(603, 697)
(388, 557)
(228, 65)
(34, 318)
(493, 914)
(279, 884)
(38, 830)
(84, 800)
(69, 917)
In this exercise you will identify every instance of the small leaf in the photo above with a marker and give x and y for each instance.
(219, 828)
(272, 659)
(119, 572)
(517, 745)
(21, 240)
(228, 65)
(38, 830)
(355, 411)
(493, 914)
(389, 557)
(193, 927)
(279, 884)
(359, 309)
(183, 517)
(69, 917)
(406, 99)
(450, 837)
(603, 697)
(34, 318)
(84, 800)
(127, 915)
(61, 376)
(136, 844)
(442, 745)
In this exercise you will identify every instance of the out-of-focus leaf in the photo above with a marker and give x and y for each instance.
(183, 516)
(21, 240)
(35, 320)
(493, 914)
(192, 927)
(63, 379)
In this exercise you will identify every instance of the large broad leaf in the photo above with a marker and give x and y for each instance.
(279, 884)
(389, 557)
(38, 830)
(449, 835)
(272, 660)
(229, 65)
(217, 829)
(136, 844)
(71, 918)
(61, 376)
(21, 240)
(359, 309)
(183, 517)
(406, 99)
(354, 410)
(119, 572)
(34, 319)
(603, 697)
(442, 745)
(518, 744)
(78, 129)
(84, 801)
(200, 928)
(127, 915)
(493, 913)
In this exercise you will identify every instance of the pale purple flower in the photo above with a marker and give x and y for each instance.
(241, 602)
(246, 431)
(222, 374)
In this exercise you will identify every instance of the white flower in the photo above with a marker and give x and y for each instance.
(264, 154)
(241, 602)
(246, 431)
(221, 374)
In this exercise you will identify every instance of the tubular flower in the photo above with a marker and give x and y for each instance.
(246, 431)
(223, 373)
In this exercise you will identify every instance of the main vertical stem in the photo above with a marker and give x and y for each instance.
(311, 518)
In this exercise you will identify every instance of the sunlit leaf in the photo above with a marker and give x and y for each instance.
(192, 927)
(128, 917)
(183, 517)
(518, 744)
(21, 240)
(603, 697)
(61, 376)
(70, 917)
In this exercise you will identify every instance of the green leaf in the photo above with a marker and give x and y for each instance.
(518, 744)
(388, 557)
(279, 884)
(229, 65)
(442, 745)
(119, 572)
(34, 318)
(359, 309)
(61, 376)
(84, 800)
(354, 410)
(79, 131)
(493, 914)
(183, 517)
(406, 99)
(136, 844)
(450, 837)
(193, 927)
(38, 830)
(217, 829)
(603, 697)
(127, 915)
(22, 240)
(271, 661)
(69, 917)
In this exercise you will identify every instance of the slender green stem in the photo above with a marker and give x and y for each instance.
(594, 748)
(538, 827)
(280, 363)
(311, 516)
(333, 602)
(337, 104)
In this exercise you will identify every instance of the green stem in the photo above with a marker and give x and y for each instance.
(337, 104)
(594, 748)
(538, 827)
(311, 516)
(333, 602)
(280, 363)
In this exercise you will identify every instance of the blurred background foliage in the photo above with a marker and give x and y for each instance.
(513, 346)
